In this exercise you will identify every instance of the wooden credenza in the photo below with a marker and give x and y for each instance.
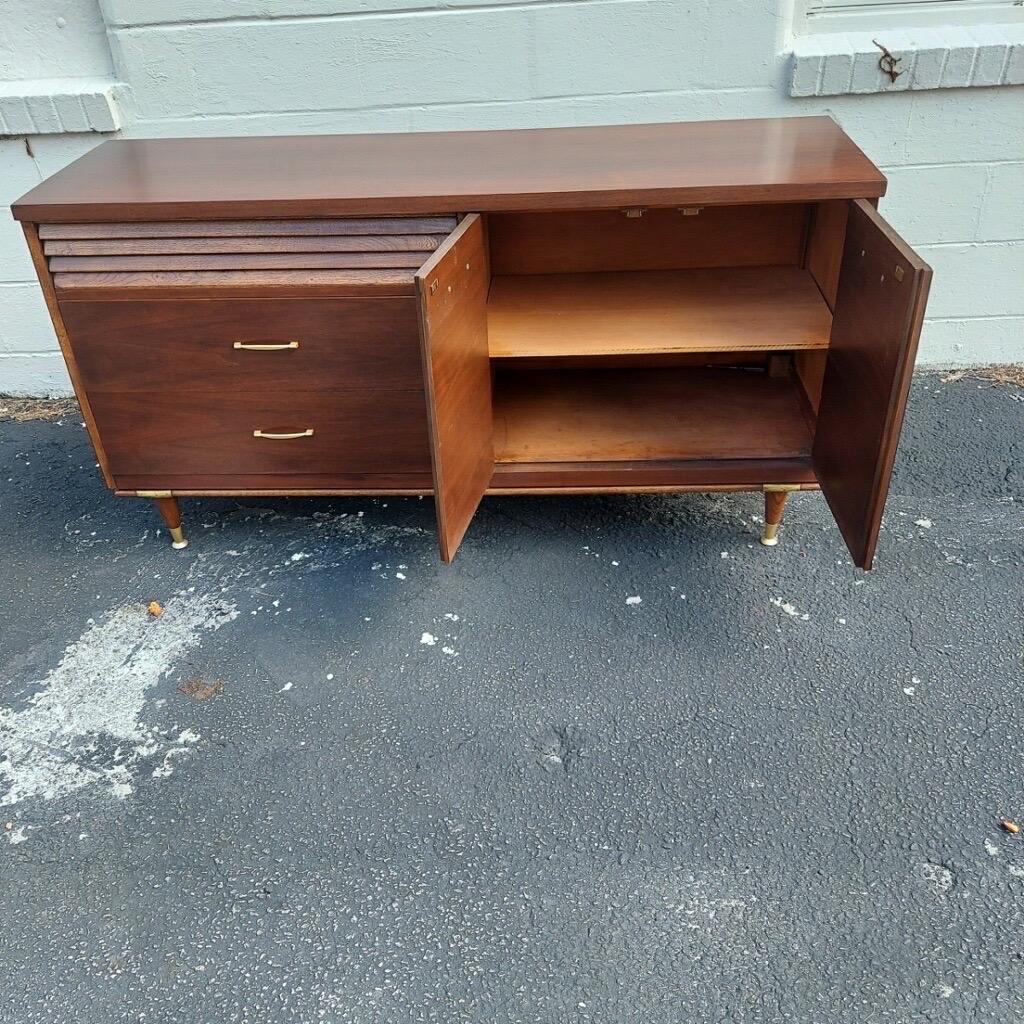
(708, 306)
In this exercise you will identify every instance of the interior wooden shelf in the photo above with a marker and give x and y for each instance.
(579, 416)
(737, 309)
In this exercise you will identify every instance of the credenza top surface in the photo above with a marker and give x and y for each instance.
(697, 163)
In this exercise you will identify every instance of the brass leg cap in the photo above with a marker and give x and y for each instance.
(770, 536)
(178, 538)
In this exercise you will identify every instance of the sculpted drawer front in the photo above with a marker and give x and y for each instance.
(216, 345)
(350, 255)
(242, 432)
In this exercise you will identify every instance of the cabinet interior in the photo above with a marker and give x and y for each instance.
(660, 335)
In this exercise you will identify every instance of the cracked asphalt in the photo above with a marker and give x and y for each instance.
(339, 781)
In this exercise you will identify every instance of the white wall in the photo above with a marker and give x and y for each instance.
(41, 39)
(954, 157)
(52, 38)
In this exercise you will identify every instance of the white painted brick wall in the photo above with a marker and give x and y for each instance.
(945, 57)
(59, 106)
(955, 156)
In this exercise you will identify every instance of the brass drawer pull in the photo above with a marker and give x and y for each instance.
(253, 346)
(283, 437)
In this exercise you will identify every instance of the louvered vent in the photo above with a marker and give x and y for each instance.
(350, 253)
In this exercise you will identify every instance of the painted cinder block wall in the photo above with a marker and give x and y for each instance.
(954, 157)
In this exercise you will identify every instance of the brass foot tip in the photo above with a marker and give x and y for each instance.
(178, 540)
(179, 544)
(770, 536)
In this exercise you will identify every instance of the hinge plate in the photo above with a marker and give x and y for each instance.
(779, 488)
(153, 494)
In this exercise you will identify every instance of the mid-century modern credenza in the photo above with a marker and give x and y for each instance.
(714, 306)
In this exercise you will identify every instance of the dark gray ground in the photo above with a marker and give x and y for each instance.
(768, 792)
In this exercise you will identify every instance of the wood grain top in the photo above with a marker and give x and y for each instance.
(698, 163)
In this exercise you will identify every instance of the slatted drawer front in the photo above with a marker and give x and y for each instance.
(215, 346)
(350, 253)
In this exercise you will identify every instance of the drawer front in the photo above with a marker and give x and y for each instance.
(154, 433)
(351, 255)
(215, 345)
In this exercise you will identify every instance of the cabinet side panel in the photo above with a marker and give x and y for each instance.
(825, 246)
(46, 283)
(826, 232)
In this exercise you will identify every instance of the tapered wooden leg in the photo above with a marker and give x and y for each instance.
(774, 504)
(172, 517)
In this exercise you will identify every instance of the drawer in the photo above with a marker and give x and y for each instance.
(153, 433)
(347, 255)
(212, 345)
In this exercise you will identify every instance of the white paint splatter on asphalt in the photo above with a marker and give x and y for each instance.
(83, 725)
(790, 609)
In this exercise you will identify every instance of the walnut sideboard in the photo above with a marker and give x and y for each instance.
(714, 306)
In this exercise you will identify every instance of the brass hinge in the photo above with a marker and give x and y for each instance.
(780, 488)
(633, 212)
(153, 494)
(690, 211)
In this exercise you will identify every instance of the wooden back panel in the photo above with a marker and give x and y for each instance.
(660, 239)
(452, 288)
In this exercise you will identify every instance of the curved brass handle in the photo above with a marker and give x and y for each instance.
(253, 346)
(284, 437)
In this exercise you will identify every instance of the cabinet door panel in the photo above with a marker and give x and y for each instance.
(883, 287)
(452, 289)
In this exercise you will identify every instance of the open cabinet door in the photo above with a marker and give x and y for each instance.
(883, 287)
(452, 288)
